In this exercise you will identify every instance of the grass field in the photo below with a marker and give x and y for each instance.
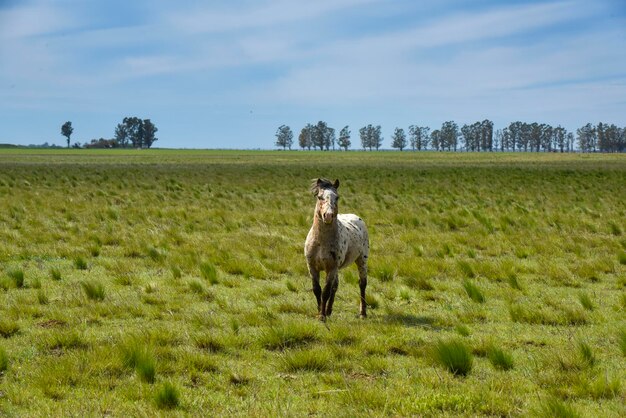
(137, 283)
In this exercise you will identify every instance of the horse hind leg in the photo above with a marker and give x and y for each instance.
(361, 263)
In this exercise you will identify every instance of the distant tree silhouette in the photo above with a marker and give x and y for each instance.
(66, 131)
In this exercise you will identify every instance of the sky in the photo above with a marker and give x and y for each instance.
(227, 74)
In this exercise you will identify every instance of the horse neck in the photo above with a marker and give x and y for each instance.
(325, 233)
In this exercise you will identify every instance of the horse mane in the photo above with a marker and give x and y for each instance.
(325, 184)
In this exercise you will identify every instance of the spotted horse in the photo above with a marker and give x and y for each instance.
(334, 242)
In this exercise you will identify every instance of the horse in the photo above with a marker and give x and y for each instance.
(334, 242)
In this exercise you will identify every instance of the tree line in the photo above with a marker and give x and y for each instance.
(479, 136)
(132, 132)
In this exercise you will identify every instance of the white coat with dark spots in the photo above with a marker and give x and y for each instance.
(334, 242)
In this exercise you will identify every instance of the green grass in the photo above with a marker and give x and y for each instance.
(207, 304)
(621, 338)
(4, 361)
(555, 408)
(94, 290)
(585, 301)
(586, 353)
(167, 396)
(80, 263)
(473, 292)
(136, 355)
(208, 272)
(16, 277)
(55, 274)
(454, 356)
(500, 359)
(289, 335)
(8, 328)
(311, 360)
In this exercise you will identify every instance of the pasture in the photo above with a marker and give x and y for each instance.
(135, 283)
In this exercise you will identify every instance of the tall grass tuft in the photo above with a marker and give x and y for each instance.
(556, 409)
(615, 228)
(466, 268)
(290, 286)
(208, 272)
(288, 335)
(42, 298)
(621, 257)
(93, 290)
(586, 353)
(418, 283)
(167, 397)
(454, 356)
(463, 330)
(473, 292)
(176, 272)
(384, 273)
(136, 355)
(17, 277)
(80, 263)
(8, 328)
(500, 359)
(621, 338)
(514, 281)
(210, 342)
(146, 368)
(312, 360)
(4, 361)
(55, 274)
(585, 301)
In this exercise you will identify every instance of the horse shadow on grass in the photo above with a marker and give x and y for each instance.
(410, 320)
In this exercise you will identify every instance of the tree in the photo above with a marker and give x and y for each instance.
(318, 136)
(398, 139)
(284, 137)
(587, 138)
(121, 135)
(102, 143)
(365, 133)
(148, 131)
(486, 135)
(419, 137)
(344, 138)
(66, 131)
(377, 137)
(329, 138)
(305, 137)
(449, 136)
(435, 140)
(134, 128)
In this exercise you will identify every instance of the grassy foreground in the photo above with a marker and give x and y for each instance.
(137, 283)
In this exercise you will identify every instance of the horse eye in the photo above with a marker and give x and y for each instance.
(320, 198)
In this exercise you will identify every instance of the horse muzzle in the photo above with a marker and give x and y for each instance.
(328, 217)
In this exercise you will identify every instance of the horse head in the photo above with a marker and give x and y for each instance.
(327, 199)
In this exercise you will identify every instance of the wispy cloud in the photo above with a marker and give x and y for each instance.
(354, 59)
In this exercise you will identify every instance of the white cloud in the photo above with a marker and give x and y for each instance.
(262, 14)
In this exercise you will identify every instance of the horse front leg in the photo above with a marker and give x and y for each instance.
(333, 291)
(326, 294)
(317, 289)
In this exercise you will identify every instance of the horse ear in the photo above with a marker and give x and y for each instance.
(319, 182)
(336, 184)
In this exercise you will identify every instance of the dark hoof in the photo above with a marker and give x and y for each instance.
(363, 316)
(322, 318)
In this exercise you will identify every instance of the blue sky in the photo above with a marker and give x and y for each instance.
(226, 74)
